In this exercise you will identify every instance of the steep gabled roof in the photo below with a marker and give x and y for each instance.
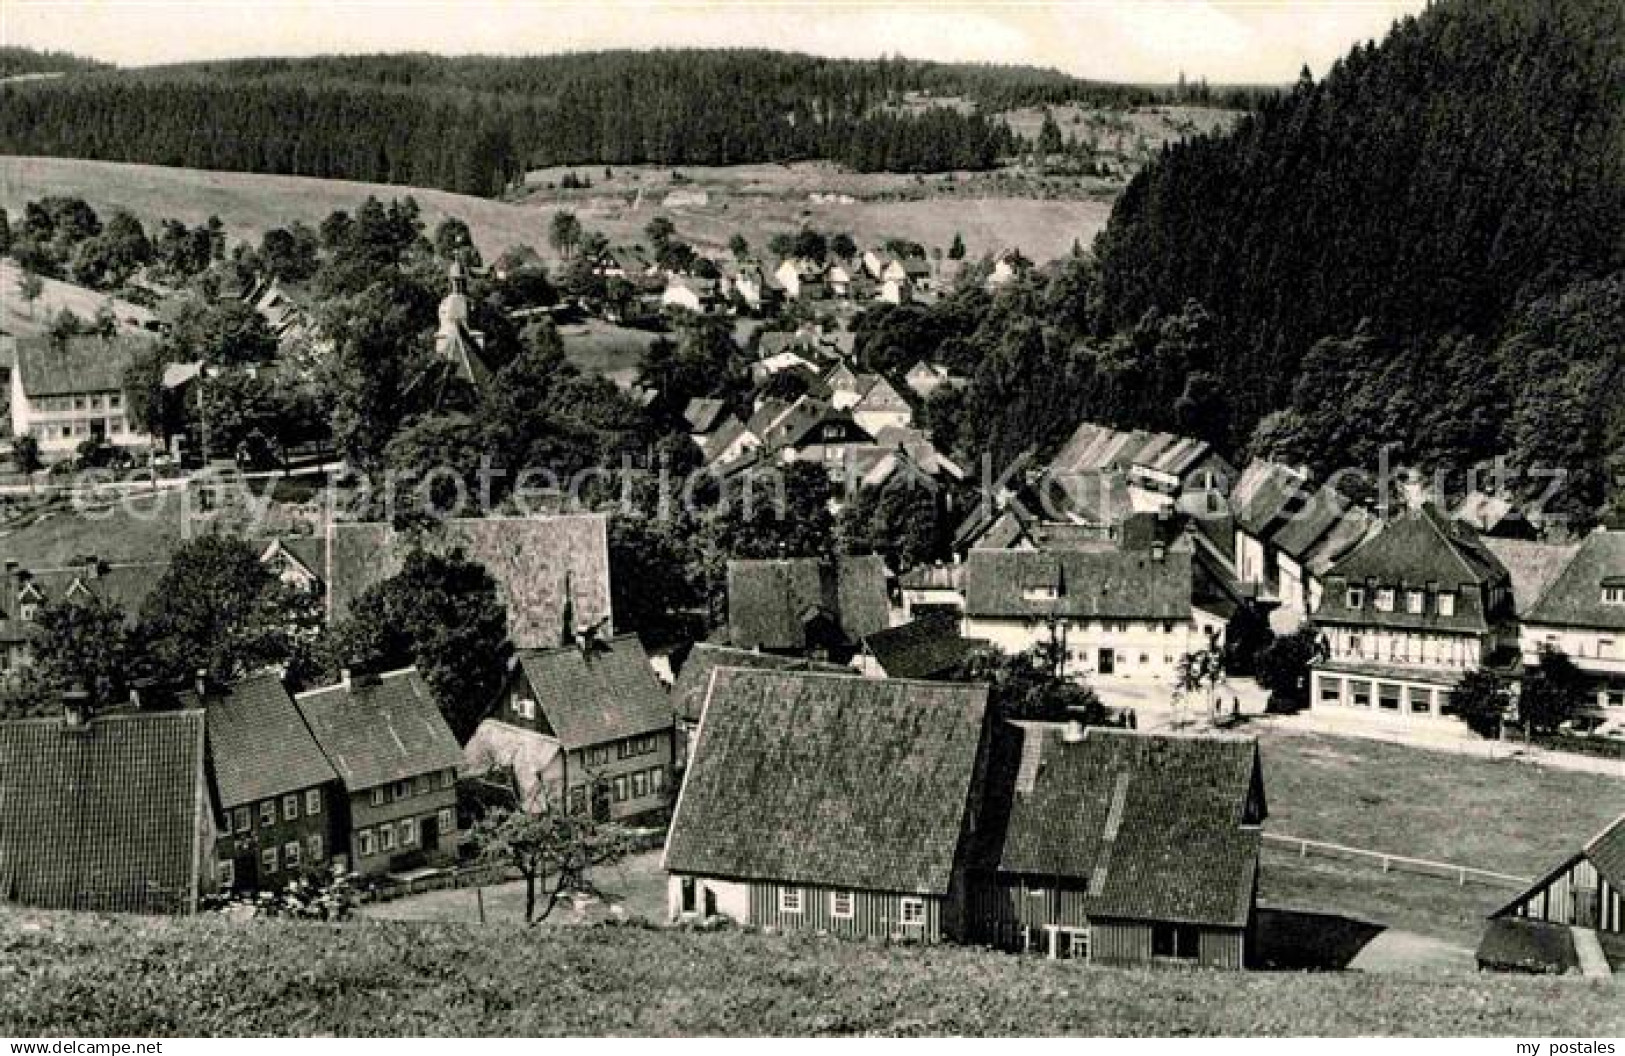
(82, 363)
(829, 780)
(1605, 851)
(1409, 552)
(1097, 582)
(694, 680)
(377, 731)
(531, 559)
(111, 817)
(595, 695)
(769, 601)
(127, 586)
(1266, 492)
(1575, 598)
(260, 746)
(1299, 535)
(1354, 528)
(704, 414)
(1158, 827)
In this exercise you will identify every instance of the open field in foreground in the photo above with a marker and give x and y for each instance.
(756, 206)
(100, 976)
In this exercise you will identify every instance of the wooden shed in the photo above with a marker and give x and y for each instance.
(1123, 848)
(1587, 890)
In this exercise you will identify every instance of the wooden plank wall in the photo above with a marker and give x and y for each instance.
(874, 914)
(1555, 901)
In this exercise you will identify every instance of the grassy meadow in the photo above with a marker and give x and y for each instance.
(105, 976)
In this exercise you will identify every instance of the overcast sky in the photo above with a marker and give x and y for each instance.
(1126, 40)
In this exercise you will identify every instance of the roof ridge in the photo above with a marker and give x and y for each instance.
(1607, 830)
(811, 673)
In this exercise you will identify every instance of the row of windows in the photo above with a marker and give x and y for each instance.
(241, 819)
(290, 856)
(623, 788)
(636, 746)
(1444, 602)
(1437, 649)
(82, 428)
(387, 837)
(842, 903)
(1114, 626)
(65, 404)
(1388, 696)
(421, 785)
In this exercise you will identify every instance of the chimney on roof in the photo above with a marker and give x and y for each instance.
(1159, 550)
(1072, 732)
(93, 567)
(76, 707)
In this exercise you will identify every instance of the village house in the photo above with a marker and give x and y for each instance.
(1124, 848)
(106, 813)
(812, 430)
(1059, 511)
(1582, 614)
(883, 265)
(584, 727)
(544, 567)
(65, 392)
(822, 802)
(1408, 614)
(801, 279)
(1159, 467)
(1114, 612)
(926, 379)
(895, 291)
(398, 763)
(880, 406)
(628, 263)
(1264, 500)
(280, 808)
(750, 284)
(805, 606)
(694, 681)
(1288, 536)
(690, 293)
(1553, 926)
(24, 592)
(1008, 265)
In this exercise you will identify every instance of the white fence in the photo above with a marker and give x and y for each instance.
(1391, 863)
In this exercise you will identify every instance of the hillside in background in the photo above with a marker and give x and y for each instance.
(92, 976)
(474, 125)
(1422, 248)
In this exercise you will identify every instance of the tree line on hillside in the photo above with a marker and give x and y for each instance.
(476, 125)
(1422, 250)
(27, 62)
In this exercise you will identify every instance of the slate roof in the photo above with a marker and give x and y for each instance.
(259, 744)
(1097, 497)
(127, 586)
(376, 732)
(1414, 549)
(1094, 583)
(1575, 598)
(83, 363)
(531, 558)
(924, 648)
(1298, 536)
(1355, 527)
(704, 414)
(829, 780)
(110, 817)
(1532, 566)
(768, 600)
(597, 695)
(694, 680)
(1159, 827)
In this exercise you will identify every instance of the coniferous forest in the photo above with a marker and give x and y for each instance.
(474, 124)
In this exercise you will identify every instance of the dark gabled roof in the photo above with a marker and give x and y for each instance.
(1101, 582)
(1534, 567)
(1095, 497)
(127, 586)
(1414, 549)
(531, 559)
(1159, 827)
(598, 694)
(109, 817)
(694, 680)
(83, 363)
(1348, 533)
(830, 780)
(925, 648)
(260, 746)
(769, 601)
(1575, 598)
(380, 730)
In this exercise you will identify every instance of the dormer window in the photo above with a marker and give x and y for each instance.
(1385, 600)
(1414, 602)
(1447, 604)
(1040, 592)
(1356, 598)
(28, 610)
(1612, 594)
